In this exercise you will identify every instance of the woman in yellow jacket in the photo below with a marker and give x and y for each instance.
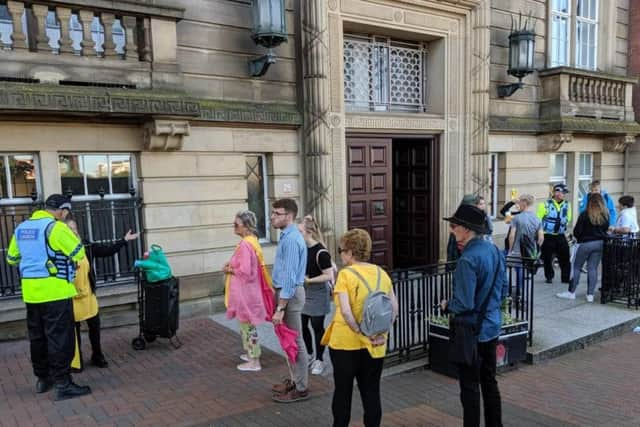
(85, 303)
(353, 354)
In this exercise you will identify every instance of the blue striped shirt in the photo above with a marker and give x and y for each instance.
(290, 264)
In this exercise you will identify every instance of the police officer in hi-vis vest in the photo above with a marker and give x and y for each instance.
(555, 214)
(47, 252)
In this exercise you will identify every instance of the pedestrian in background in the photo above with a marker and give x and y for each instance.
(289, 268)
(317, 292)
(555, 214)
(354, 355)
(47, 251)
(479, 286)
(590, 232)
(627, 221)
(596, 188)
(85, 303)
(248, 292)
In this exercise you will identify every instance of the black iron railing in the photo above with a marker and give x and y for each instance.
(621, 270)
(419, 291)
(102, 221)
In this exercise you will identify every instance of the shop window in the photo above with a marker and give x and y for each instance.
(18, 177)
(87, 175)
(257, 192)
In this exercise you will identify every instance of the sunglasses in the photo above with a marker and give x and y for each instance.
(340, 250)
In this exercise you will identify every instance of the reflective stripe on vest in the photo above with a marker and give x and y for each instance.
(555, 221)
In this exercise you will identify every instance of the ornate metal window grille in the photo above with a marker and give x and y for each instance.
(381, 74)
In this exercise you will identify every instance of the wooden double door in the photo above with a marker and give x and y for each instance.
(393, 193)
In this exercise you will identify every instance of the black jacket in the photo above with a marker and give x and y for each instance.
(585, 231)
(100, 250)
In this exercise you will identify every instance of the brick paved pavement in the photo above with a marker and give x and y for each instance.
(199, 385)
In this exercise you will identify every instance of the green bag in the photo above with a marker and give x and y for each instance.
(155, 267)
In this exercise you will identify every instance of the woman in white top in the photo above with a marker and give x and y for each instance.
(627, 221)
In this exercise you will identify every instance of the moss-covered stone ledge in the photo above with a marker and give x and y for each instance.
(137, 104)
(576, 125)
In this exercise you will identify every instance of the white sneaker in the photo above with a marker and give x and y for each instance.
(317, 367)
(589, 298)
(566, 295)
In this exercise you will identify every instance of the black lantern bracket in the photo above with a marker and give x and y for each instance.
(258, 67)
(269, 29)
(522, 46)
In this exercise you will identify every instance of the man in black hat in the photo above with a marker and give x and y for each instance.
(555, 214)
(47, 251)
(479, 285)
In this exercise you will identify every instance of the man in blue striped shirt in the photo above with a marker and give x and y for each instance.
(289, 269)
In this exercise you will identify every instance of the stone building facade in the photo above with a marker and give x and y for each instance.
(379, 114)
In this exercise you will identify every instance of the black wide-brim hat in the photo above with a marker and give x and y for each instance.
(471, 217)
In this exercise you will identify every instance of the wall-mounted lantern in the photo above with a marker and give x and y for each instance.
(522, 46)
(269, 29)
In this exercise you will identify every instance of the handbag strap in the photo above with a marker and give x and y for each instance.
(485, 303)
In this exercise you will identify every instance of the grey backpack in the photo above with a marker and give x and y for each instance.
(377, 311)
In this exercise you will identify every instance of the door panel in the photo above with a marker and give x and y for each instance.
(415, 207)
(369, 185)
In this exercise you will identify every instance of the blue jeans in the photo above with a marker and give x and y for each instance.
(591, 252)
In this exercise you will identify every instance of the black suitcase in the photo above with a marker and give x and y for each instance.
(159, 311)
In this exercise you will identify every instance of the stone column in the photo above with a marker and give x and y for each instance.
(316, 130)
(478, 107)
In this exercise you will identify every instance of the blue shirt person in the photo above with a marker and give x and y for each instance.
(479, 274)
(595, 187)
(290, 264)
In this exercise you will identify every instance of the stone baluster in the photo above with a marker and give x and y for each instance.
(316, 131)
(16, 8)
(572, 88)
(109, 46)
(131, 33)
(621, 99)
(88, 45)
(40, 12)
(64, 15)
(607, 93)
(145, 39)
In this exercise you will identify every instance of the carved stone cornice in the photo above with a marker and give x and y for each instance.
(618, 143)
(553, 142)
(372, 121)
(119, 102)
(165, 135)
(138, 103)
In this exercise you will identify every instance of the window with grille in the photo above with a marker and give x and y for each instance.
(19, 178)
(381, 74)
(574, 33)
(257, 194)
(585, 174)
(87, 175)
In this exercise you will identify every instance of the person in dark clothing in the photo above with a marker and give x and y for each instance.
(555, 214)
(85, 303)
(453, 251)
(317, 280)
(479, 282)
(590, 232)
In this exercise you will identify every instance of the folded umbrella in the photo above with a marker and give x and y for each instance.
(287, 338)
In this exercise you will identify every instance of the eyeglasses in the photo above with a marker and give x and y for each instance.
(340, 250)
(274, 213)
(235, 224)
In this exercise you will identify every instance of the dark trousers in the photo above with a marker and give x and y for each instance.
(94, 336)
(556, 244)
(51, 336)
(358, 364)
(481, 377)
(317, 324)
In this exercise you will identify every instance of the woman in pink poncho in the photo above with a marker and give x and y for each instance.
(248, 289)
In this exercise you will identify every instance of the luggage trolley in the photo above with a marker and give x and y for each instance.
(158, 311)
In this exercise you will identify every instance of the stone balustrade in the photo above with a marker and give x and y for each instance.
(569, 92)
(62, 30)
